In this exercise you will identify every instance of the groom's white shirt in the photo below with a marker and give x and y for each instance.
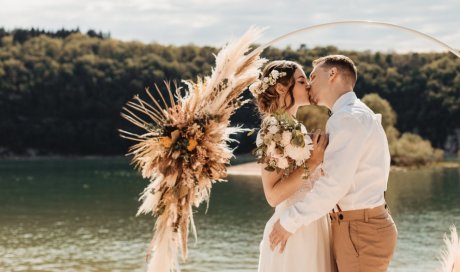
(356, 163)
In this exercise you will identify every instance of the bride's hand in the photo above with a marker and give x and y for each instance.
(320, 140)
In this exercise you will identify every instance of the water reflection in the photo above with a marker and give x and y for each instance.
(78, 215)
(425, 203)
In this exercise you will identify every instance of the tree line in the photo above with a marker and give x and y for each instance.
(62, 92)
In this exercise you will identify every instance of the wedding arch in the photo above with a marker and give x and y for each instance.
(357, 22)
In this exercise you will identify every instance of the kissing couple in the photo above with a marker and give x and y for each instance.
(330, 210)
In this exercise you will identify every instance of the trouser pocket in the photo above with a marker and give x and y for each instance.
(345, 250)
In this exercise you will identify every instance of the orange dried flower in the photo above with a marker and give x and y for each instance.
(192, 143)
(166, 142)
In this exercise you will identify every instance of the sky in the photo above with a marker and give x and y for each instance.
(213, 22)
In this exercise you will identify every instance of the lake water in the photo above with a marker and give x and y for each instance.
(79, 215)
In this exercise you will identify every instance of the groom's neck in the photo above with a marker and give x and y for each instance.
(336, 95)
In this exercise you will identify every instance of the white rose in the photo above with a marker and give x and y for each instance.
(273, 129)
(286, 138)
(298, 153)
(293, 152)
(282, 163)
(307, 151)
(275, 73)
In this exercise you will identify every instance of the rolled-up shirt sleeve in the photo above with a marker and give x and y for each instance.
(346, 137)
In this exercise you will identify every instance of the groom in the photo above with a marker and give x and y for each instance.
(356, 166)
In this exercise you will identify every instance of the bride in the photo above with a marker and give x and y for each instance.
(309, 248)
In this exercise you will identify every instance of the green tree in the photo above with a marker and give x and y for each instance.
(409, 149)
(61, 92)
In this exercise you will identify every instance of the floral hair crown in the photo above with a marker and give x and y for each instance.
(261, 85)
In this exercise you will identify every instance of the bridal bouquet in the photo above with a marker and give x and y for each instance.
(283, 144)
(183, 149)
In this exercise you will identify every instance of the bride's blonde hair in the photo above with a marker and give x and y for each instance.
(268, 101)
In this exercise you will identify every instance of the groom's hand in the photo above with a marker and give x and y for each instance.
(279, 236)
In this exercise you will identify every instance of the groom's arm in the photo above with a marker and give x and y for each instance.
(347, 136)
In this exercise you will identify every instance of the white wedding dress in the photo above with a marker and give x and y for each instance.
(307, 250)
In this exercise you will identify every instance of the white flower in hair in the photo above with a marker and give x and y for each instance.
(261, 85)
(255, 86)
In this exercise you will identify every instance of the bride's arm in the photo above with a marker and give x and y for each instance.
(277, 190)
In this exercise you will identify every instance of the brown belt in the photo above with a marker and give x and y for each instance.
(363, 214)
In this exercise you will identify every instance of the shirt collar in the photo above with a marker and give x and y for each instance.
(345, 99)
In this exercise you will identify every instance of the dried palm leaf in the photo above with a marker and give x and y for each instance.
(184, 149)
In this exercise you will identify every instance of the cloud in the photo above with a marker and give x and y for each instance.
(212, 22)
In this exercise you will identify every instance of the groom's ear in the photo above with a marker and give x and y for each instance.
(333, 73)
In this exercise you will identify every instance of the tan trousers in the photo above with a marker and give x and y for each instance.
(363, 240)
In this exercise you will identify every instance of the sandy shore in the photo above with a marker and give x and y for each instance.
(244, 169)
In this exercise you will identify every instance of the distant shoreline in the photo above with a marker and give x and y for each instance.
(64, 157)
(239, 159)
(253, 169)
(243, 164)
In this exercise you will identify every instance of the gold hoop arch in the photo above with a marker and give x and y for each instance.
(259, 49)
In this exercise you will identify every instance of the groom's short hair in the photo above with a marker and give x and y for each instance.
(343, 63)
